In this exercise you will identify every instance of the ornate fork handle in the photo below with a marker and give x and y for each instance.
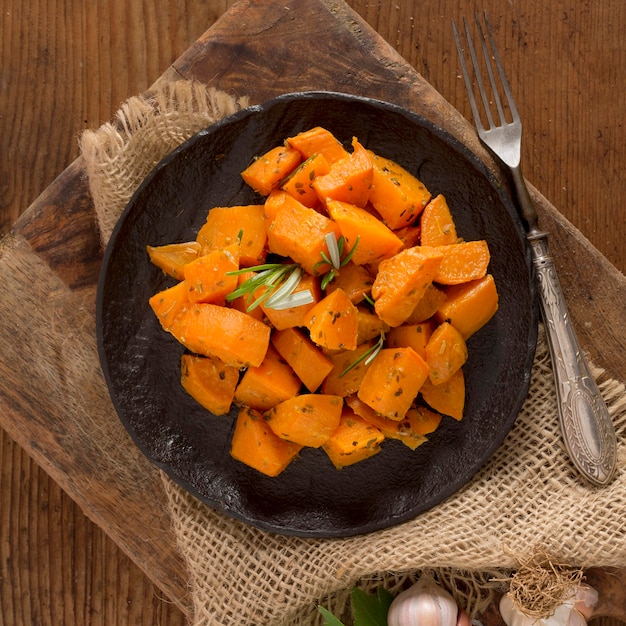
(588, 432)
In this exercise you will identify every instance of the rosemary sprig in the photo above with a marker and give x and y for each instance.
(334, 257)
(368, 356)
(279, 280)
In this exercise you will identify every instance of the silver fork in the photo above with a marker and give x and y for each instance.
(588, 432)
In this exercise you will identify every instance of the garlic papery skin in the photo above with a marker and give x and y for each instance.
(574, 611)
(423, 604)
(585, 600)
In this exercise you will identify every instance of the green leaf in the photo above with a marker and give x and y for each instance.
(370, 610)
(329, 618)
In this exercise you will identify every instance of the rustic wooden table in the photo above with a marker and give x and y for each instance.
(65, 67)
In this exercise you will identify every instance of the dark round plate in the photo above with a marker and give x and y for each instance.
(311, 498)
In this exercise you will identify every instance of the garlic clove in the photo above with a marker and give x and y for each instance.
(424, 604)
(585, 600)
(513, 617)
(463, 619)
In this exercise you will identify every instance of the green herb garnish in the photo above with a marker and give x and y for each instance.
(279, 280)
(334, 257)
(368, 356)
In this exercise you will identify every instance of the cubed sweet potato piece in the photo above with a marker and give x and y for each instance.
(402, 281)
(355, 280)
(255, 444)
(375, 240)
(211, 277)
(345, 377)
(209, 381)
(370, 326)
(305, 358)
(241, 224)
(392, 381)
(446, 353)
(348, 180)
(173, 257)
(411, 430)
(267, 171)
(318, 140)
(264, 386)
(307, 419)
(437, 223)
(463, 262)
(170, 303)
(447, 398)
(428, 305)
(299, 183)
(354, 440)
(298, 232)
(333, 322)
(468, 307)
(396, 194)
(230, 335)
(414, 336)
(295, 316)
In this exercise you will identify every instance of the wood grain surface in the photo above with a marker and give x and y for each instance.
(67, 66)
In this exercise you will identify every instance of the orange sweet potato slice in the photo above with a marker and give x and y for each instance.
(308, 419)
(305, 358)
(462, 262)
(265, 386)
(411, 431)
(355, 280)
(447, 398)
(267, 171)
(345, 377)
(211, 277)
(370, 326)
(255, 444)
(375, 240)
(402, 281)
(414, 336)
(396, 194)
(173, 257)
(354, 440)
(299, 183)
(281, 319)
(392, 381)
(209, 381)
(298, 232)
(234, 337)
(437, 224)
(243, 225)
(428, 305)
(170, 304)
(446, 353)
(468, 307)
(333, 322)
(319, 140)
(348, 180)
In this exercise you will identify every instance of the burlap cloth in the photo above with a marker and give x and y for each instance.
(527, 495)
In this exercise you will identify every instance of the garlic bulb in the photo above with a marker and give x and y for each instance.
(423, 604)
(575, 610)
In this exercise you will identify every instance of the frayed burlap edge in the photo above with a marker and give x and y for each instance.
(120, 154)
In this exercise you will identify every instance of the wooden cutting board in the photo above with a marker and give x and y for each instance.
(259, 48)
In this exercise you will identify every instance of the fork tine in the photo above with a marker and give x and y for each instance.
(502, 75)
(495, 92)
(466, 77)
